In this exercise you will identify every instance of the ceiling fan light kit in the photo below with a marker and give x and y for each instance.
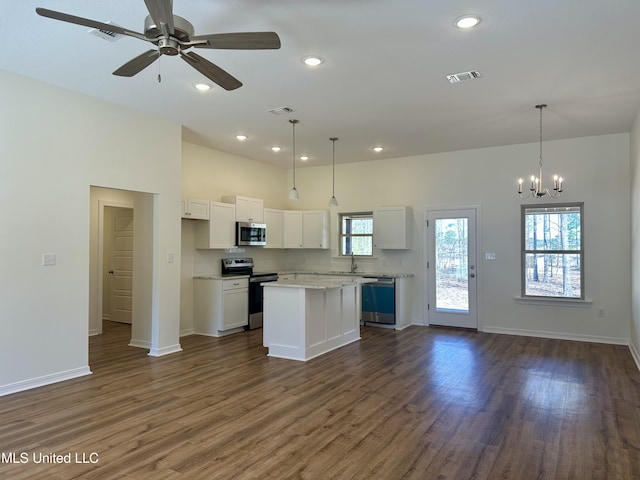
(173, 35)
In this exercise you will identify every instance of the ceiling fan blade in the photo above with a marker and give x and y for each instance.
(211, 71)
(85, 22)
(240, 40)
(161, 12)
(137, 64)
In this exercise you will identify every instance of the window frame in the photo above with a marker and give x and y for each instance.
(341, 234)
(524, 252)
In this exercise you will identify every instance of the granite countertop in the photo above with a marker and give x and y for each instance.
(319, 283)
(350, 274)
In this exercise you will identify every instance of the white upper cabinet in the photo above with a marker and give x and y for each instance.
(315, 229)
(392, 228)
(292, 229)
(274, 219)
(219, 231)
(195, 209)
(247, 209)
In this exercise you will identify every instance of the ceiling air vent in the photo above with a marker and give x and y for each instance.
(280, 110)
(460, 77)
(109, 36)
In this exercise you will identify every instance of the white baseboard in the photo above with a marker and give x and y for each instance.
(556, 335)
(140, 343)
(44, 380)
(159, 352)
(188, 331)
(93, 332)
(635, 354)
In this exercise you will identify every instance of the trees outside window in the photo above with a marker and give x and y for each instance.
(552, 251)
(356, 234)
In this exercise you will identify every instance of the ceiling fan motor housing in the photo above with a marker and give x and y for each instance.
(182, 29)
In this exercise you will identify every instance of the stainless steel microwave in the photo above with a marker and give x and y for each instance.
(254, 234)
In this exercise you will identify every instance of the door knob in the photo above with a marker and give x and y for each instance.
(472, 275)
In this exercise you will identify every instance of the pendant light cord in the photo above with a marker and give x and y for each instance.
(293, 123)
(333, 190)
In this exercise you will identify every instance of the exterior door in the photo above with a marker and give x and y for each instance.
(451, 268)
(121, 271)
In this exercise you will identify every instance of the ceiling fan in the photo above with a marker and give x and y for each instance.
(173, 35)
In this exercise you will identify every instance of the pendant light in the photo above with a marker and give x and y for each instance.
(293, 194)
(333, 202)
(537, 190)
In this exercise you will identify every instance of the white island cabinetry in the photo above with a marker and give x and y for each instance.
(220, 305)
(307, 318)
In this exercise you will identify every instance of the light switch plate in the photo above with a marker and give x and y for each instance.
(170, 257)
(48, 259)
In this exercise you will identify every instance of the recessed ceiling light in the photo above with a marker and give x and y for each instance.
(378, 149)
(312, 61)
(203, 87)
(304, 158)
(242, 138)
(467, 21)
(276, 148)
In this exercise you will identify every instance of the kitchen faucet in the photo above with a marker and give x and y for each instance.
(354, 265)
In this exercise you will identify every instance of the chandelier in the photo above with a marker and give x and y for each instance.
(536, 189)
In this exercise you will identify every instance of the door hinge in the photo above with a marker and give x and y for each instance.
(428, 307)
(427, 264)
(427, 223)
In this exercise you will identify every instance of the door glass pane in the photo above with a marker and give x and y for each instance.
(452, 264)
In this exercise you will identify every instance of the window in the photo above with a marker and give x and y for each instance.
(552, 251)
(356, 233)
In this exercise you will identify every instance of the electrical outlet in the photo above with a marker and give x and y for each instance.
(601, 313)
(170, 257)
(489, 256)
(48, 259)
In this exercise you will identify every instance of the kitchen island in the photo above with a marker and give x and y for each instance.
(306, 318)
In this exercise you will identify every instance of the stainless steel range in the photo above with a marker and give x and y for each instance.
(244, 266)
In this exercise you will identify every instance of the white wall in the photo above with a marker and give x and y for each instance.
(635, 240)
(55, 144)
(596, 171)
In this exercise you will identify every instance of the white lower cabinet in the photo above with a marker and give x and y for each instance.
(221, 306)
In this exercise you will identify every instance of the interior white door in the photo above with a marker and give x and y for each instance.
(121, 270)
(452, 269)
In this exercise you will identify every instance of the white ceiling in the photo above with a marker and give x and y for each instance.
(383, 81)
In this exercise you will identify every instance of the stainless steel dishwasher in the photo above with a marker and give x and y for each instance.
(379, 301)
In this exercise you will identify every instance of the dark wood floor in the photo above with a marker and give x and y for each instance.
(424, 403)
